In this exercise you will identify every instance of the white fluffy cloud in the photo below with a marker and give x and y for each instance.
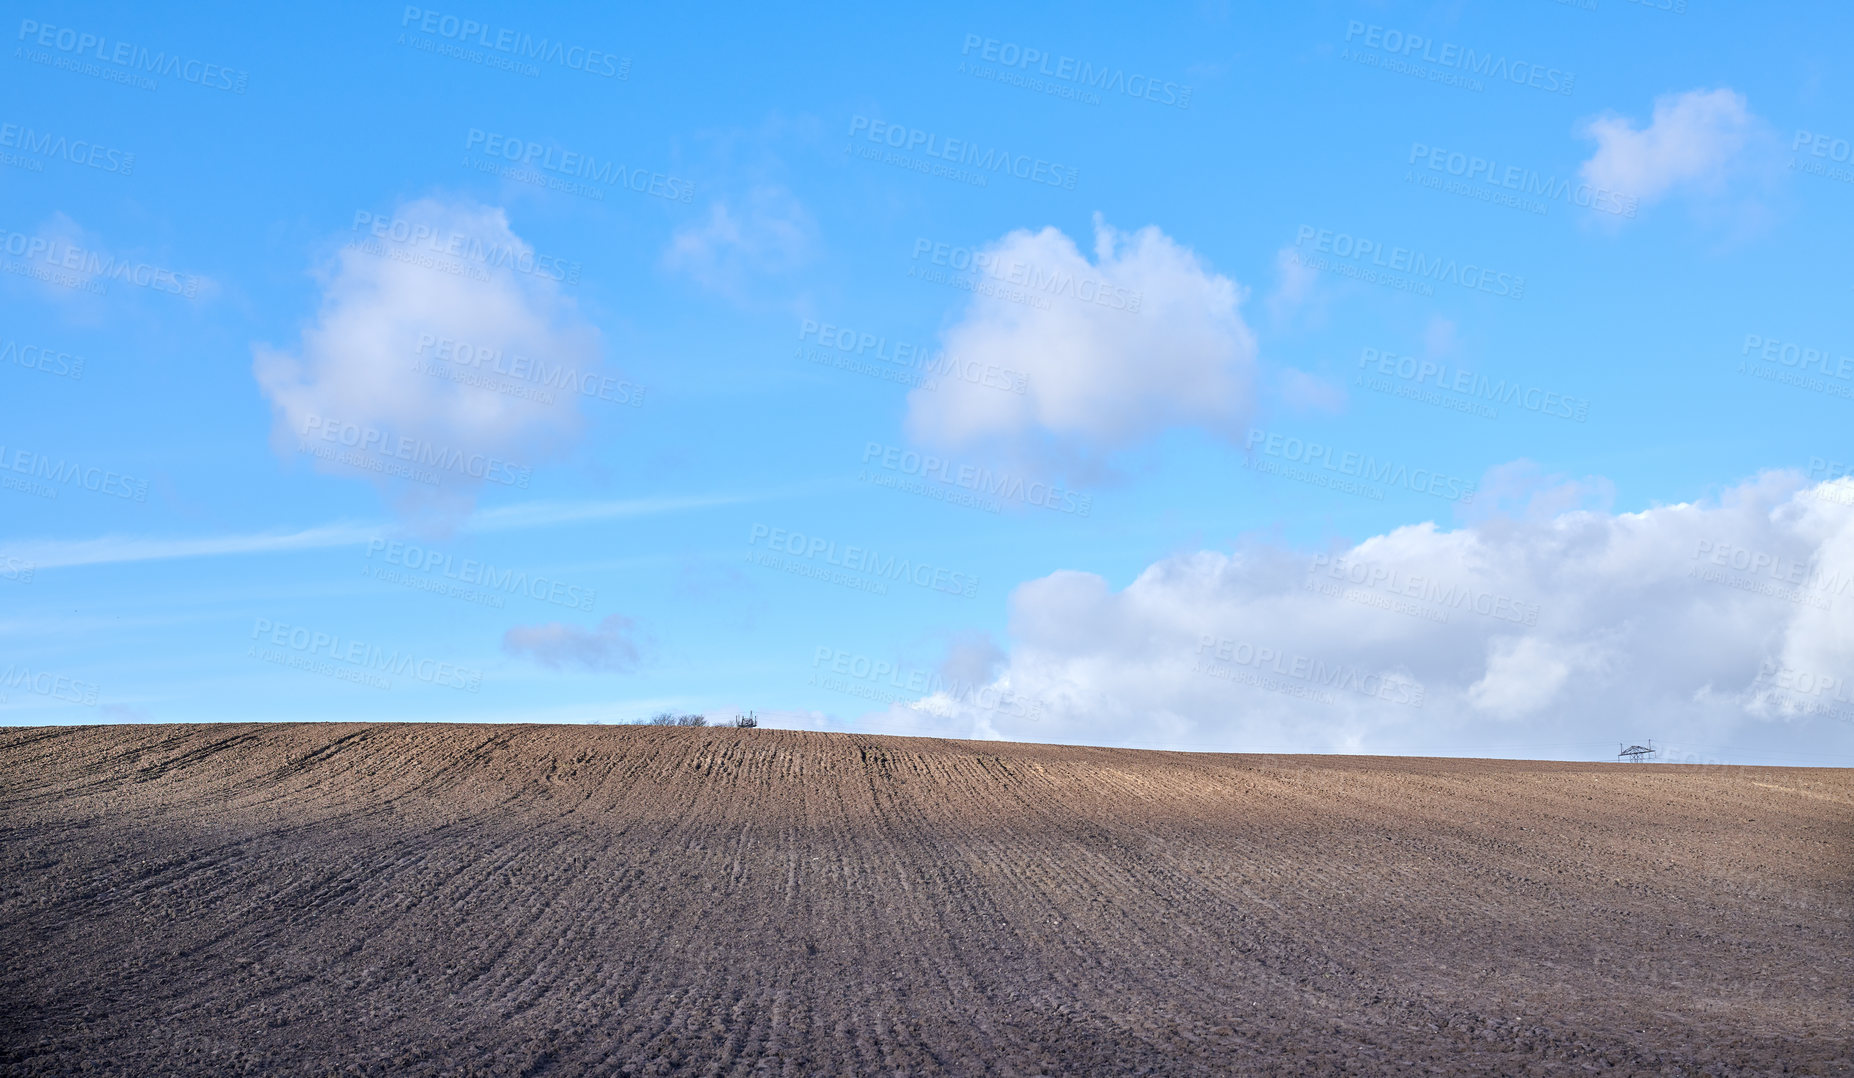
(444, 357)
(1143, 337)
(612, 647)
(1693, 139)
(1726, 623)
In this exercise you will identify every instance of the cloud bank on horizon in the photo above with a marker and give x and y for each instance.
(1708, 622)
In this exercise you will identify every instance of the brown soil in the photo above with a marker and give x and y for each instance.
(564, 900)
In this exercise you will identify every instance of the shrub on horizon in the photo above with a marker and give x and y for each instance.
(670, 718)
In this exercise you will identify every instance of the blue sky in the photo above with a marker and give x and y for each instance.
(1179, 379)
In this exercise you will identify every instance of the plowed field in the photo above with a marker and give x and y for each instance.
(563, 900)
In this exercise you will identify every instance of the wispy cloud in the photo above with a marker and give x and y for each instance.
(769, 234)
(546, 514)
(117, 549)
(612, 647)
(114, 549)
